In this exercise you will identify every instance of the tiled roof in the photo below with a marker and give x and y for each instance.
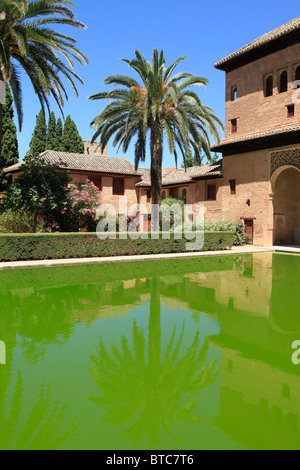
(14, 167)
(81, 162)
(273, 35)
(115, 165)
(172, 175)
(212, 169)
(146, 177)
(258, 135)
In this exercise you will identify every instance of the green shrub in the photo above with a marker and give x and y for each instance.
(87, 245)
(237, 228)
(18, 222)
(166, 204)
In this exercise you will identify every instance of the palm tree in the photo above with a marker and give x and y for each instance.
(163, 105)
(28, 41)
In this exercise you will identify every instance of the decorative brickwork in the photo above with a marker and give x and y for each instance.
(285, 157)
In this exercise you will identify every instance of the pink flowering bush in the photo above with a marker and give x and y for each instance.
(79, 212)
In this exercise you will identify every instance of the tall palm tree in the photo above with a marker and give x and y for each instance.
(164, 106)
(29, 42)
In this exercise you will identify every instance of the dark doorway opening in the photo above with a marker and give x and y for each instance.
(249, 226)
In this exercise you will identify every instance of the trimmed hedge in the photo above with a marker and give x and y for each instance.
(23, 247)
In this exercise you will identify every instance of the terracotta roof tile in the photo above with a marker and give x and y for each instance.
(94, 162)
(257, 135)
(115, 165)
(177, 176)
(14, 167)
(277, 33)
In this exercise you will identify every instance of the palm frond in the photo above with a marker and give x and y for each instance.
(163, 105)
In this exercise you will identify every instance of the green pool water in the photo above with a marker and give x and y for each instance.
(180, 354)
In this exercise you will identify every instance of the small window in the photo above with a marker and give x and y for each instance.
(232, 184)
(96, 180)
(269, 86)
(163, 195)
(118, 186)
(148, 196)
(283, 82)
(211, 192)
(297, 75)
(174, 192)
(183, 195)
(233, 93)
(233, 125)
(290, 110)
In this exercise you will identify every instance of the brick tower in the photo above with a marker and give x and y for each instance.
(261, 148)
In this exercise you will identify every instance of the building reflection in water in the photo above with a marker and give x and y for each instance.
(253, 299)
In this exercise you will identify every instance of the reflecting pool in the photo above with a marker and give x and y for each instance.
(179, 354)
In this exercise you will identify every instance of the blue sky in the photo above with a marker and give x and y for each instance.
(205, 32)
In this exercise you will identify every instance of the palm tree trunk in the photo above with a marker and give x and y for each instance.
(35, 216)
(1, 113)
(154, 327)
(156, 163)
(1, 133)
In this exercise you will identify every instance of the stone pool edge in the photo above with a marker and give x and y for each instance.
(121, 259)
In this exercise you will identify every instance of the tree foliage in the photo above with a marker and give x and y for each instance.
(29, 42)
(191, 161)
(55, 137)
(58, 135)
(162, 105)
(9, 150)
(51, 132)
(40, 189)
(71, 139)
(39, 137)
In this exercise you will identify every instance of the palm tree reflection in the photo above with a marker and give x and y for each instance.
(41, 429)
(146, 389)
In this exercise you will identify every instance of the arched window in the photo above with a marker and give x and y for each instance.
(163, 195)
(233, 93)
(269, 86)
(283, 82)
(183, 195)
(297, 75)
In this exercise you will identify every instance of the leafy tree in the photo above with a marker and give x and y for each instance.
(40, 189)
(71, 140)
(163, 106)
(191, 161)
(9, 151)
(58, 136)
(214, 158)
(51, 133)
(39, 137)
(28, 42)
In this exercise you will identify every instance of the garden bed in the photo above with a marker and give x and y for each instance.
(24, 247)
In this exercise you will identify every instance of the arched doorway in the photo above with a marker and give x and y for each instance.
(286, 203)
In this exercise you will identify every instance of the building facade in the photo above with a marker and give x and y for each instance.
(258, 178)
(261, 148)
